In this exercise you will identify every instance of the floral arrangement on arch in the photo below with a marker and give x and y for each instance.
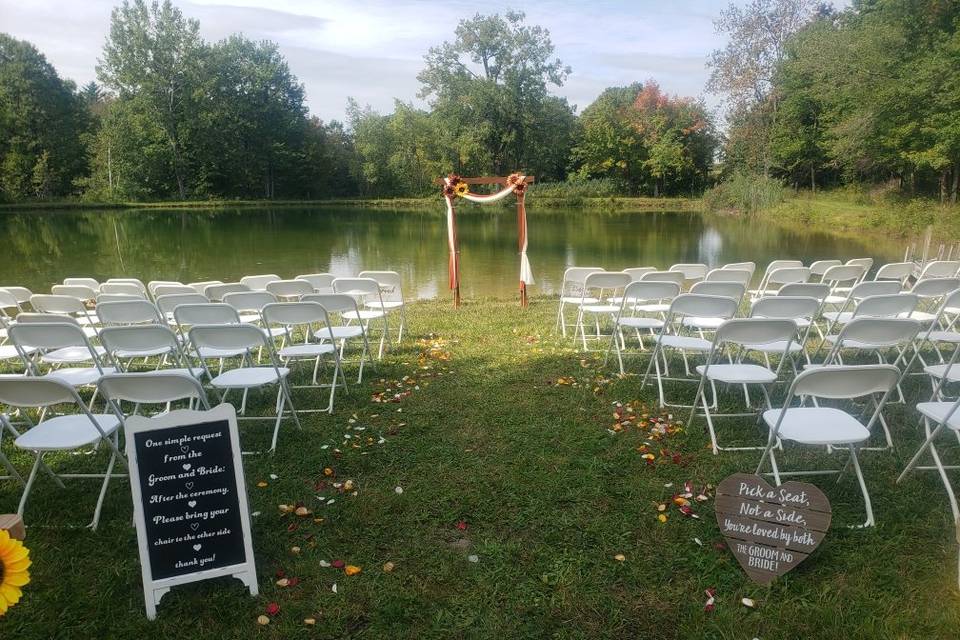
(455, 186)
(14, 562)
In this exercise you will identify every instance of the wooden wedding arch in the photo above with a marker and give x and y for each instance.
(454, 187)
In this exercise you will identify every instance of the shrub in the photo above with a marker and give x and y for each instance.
(744, 192)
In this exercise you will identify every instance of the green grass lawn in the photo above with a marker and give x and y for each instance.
(548, 494)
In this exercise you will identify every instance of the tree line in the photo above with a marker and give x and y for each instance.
(819, 97)
(172, 116)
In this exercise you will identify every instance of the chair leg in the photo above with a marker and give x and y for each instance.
(863, 487)
(11, 469)
(29, 485)
(103, 492)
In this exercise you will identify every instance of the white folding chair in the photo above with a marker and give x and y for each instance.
(847, 310)
(127, 343)
(202, 285)
(92, 283)
(245, 338)
(9, 305)
(819, 267)
(866, 263)
(939, 269)
(56, 433)
(391, 293)
(60, 344)
(21, 294)
(168, 302)
(603, 287)
(341, 305)
(259, 282)
(930, 293)
(571, 292)
(153, 284)
(673, 337)
(134, 281)
(897, 305)
(66, 306)
(899, 271)
(127, 312)
(641, 309)
(777, 278)
(81, 292)
(321, 282)
(740, 266)
(733, 339)
(311, 322)
(841, 278)
(741, 276)
(289, 290)
(365, 291)
(215, 292)
(774, 265)
(829, 426)
(172, 289)
(249, 305)
(211, 313)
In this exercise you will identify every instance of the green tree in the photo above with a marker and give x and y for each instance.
(154, 55)
(41, 121)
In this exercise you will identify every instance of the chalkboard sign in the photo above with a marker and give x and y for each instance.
(189, 499)
(770, 530)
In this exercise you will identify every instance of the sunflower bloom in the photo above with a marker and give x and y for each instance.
(462, 188)
(14, 561)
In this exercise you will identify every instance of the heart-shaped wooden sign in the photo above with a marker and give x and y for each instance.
(770, 530)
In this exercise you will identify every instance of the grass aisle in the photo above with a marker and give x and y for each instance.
(507, 452)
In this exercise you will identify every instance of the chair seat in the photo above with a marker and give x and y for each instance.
(579, 300)
(247, 377)
(687, 343)
(386, 304)
(363, 314)
(599, 308)
(208, 353)
(652, 308)
(697, 322)
(738, 373)
(71, 354)
(937, 411)
(9, 352)
(79, 376)
(306, 350)
(924, 317)
(66, 432)
(141, 353)
(640, 322)
(339, 333)
(856, 344)
(196, 372)
(938, 370)
(939, 336)
(817, 426)
(249, 318)
(775, 347)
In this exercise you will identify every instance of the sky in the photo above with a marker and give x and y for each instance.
(372, 50)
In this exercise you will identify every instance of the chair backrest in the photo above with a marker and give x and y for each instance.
(650, 290)
(78, 291)
(730, 275)
(128, 312)
(134, 281)
(9, 302)
(576, 275)
(636, 273)
(126, 288)
(22, 294)
(249, 300)
(333, 302)
(151, 388)
(886, 306)
(701, 305)
(215, 292)
(741, 266)
(733, 290)
(294, 314)
(676, 277)
(290, 288)
(172, 289)
(210, 313)
(167, 303)
(844, 382)
(259, 282)
(874, 288)
(878, 332)
(940, 269)
(843, 274)
(83, 282)
(321, 282)
(48, 336)
(141, 338)
(153, 284)
(788, 275)
(117, 297)
(756, 331)
(895, 271)
(50, 303)
(34, 317)
(866, 263)
(23, 391)
(201, 286)
(935, 287)
(816, 290)
(787, 307)
(229, 337)
(691, 270)
(775, 265)
(356, 286)
(611, 280)
(819, 267)
(388, 279)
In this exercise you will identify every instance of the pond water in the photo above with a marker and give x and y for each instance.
(190, 245)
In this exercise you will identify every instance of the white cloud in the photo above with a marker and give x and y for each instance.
(373, 49)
